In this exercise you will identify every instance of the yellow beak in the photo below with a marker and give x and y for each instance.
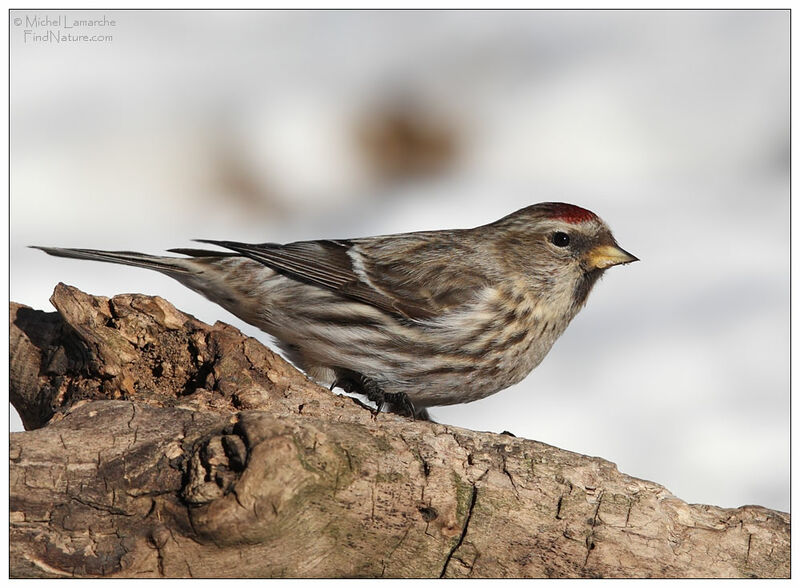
(604, 256)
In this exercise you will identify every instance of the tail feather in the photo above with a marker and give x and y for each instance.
(202, 252)
(162, 264)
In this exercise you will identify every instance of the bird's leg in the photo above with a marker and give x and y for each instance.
(399, 402)
(347, 381)
(421, 414)
(355, 383)
(374, 392)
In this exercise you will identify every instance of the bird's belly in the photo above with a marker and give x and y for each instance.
(438, 371)
(450, 362)
(449, 378)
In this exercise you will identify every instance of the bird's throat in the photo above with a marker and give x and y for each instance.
(584, 286)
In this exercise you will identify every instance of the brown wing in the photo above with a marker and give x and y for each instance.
(409, 275)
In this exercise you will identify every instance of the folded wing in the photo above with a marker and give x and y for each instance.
(410, 276)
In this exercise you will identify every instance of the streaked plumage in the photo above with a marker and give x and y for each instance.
(435, 317)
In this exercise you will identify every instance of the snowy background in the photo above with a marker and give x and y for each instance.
(279, 126)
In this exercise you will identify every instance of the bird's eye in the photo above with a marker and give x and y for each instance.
(560, 239)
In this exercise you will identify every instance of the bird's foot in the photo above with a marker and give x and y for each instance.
(400, 403)
(397, 402)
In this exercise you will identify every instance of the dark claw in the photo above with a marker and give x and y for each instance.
(378, 408)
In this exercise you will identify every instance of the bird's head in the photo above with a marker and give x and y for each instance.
(559, 249)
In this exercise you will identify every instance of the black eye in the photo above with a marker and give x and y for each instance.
(560, 239)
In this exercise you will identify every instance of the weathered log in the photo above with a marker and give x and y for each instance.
(161, 446)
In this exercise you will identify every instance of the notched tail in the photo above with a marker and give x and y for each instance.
(162, 264)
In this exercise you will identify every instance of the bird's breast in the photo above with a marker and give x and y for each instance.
(507, 334)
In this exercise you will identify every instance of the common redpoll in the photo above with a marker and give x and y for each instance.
(413, 319)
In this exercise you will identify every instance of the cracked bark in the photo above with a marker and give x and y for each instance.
(158, 446)
(460, 542)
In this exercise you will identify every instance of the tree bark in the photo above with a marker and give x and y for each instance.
(158, 446)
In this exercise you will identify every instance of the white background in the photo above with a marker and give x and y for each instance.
(672, 126)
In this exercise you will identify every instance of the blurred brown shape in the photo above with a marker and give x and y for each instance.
(234, 175)
(403, 142)
(237, 180)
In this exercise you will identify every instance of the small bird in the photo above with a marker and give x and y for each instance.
(410, 320)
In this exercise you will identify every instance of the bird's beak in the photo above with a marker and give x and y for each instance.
(604, 256)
